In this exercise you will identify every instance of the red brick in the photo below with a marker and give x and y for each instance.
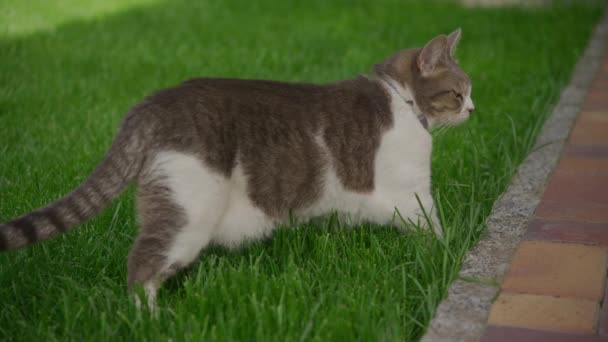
(603, 323)
(585, 151)
(599, 84)
(572, 232)
(601, 90)
(597, 91)
(579, 179)
(558, 269)
(569, 315)
(595, 105)
(582, 166)
(507, 334)
(596, 115)
(577, 186)
(591, 128)
(573, 211)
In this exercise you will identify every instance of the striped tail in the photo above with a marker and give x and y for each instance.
(120, 165)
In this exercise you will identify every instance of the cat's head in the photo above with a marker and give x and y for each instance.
(440, 89)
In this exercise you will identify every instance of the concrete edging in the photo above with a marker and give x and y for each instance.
(463, 314)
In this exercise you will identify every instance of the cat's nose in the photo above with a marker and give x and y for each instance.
(471, 110)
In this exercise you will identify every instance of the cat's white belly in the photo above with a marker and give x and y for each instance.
(217, 209)
(242, 220)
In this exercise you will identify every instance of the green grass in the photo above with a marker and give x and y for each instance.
(19, 18)
(63, 90)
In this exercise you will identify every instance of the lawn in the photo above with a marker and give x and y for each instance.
(65, 84)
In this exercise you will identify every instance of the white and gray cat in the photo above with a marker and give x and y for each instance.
(225, 160)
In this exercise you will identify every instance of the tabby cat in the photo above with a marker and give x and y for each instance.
(225, 160)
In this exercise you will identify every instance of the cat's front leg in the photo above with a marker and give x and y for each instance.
(435, 223)
(427, 211)
(416, 210)
(424, 220)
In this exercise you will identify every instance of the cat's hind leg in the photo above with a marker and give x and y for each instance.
(180, 203)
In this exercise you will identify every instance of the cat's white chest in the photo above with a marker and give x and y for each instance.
(401, 172)
(403, 159)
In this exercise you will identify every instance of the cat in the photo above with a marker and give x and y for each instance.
(226, 160)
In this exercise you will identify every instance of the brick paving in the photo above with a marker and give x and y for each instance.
(555, 289)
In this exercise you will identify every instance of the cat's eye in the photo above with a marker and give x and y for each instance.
(458, 95)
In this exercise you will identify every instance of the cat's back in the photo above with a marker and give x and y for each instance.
(263, 98)
(246, 92)
(217, 118)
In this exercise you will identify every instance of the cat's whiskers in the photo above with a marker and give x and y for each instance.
(440, 128)
(443, 124)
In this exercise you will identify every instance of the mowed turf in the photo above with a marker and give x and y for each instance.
(63, 92)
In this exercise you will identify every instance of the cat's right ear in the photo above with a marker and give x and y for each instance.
(431, 55)
(453, 39)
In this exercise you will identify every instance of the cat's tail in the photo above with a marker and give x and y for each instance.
(121, 164)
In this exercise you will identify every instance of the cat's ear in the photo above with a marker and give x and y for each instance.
(432, 53)
(453, 39)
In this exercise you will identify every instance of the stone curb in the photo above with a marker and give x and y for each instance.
(463, 314)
